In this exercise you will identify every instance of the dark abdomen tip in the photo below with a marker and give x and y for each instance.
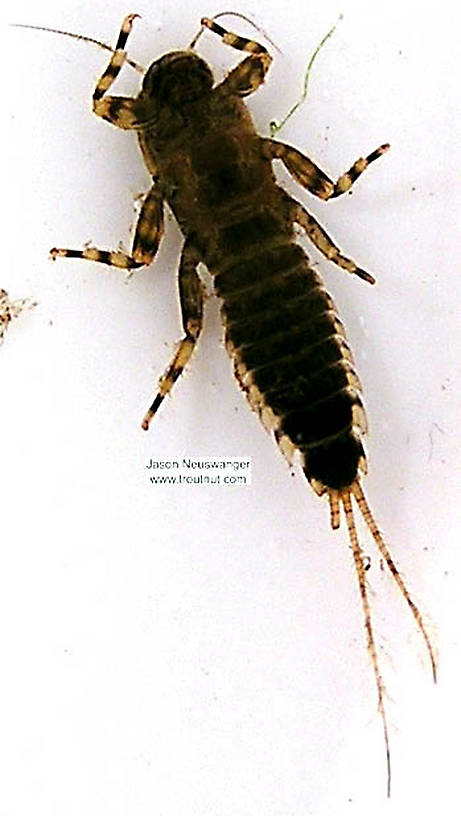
(335, 464)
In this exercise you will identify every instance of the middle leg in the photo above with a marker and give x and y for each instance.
(149, 231)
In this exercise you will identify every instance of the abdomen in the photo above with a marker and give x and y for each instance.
(290, 355)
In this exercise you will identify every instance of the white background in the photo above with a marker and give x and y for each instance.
(186, 651)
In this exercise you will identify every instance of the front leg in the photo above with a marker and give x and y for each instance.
(306, 173)
(123, 112)
(251, 73)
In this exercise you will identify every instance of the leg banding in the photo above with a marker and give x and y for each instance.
(117, 259)
(117, 60)
(234, 40)
(324, 244)
(311, 177)
(346, 181)
(250, 74)
(150, 227)
(149, 231)
(191, 300)
(123, 112)
(303, 170)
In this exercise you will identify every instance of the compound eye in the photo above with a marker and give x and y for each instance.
(150, 81)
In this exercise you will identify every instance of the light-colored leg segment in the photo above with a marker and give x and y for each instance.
(250, 74)
(312, 177)
(191, 299)
(123, 112)
(116, 61)
(146, 241)
(323, 242)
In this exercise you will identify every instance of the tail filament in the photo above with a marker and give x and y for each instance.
(336, 498)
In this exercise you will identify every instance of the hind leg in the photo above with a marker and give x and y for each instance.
(191, 300)
(323, 242)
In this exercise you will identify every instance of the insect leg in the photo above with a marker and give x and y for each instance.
(250, 74)
(146, 241)
(149, 229)
(116, 61)
(123, 112)
(191, 299)
(312, 177)
(323, 242)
